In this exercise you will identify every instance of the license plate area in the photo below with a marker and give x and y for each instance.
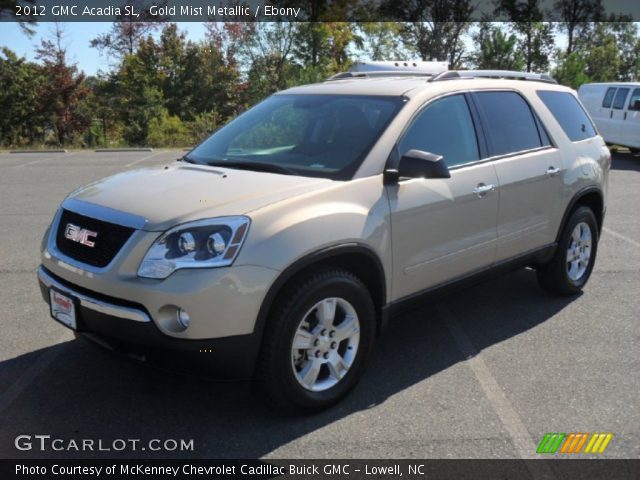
(63, 308)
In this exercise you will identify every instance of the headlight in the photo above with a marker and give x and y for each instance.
(214, 242)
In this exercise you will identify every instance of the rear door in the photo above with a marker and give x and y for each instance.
(618, 116)
(443, 228)
(528, 169)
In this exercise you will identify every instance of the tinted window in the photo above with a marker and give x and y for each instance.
(510, 123)
(445, 128)
(621, 96)
(608, 97)
(544, 137)
(634, 103)
(311, 135)
(569, 114)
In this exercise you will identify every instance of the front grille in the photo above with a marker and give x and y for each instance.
(108, 240)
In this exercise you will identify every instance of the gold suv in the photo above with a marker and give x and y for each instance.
(278, 247)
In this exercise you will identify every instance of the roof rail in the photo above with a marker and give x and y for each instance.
(379, 73)
(499, 74)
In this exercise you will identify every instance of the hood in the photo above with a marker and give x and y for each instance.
(166, 196)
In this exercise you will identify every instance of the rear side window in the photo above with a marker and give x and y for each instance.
(621, 96)
(608, 97)
(445, 128)
(510, 124)
(569, 114)
(634, 103)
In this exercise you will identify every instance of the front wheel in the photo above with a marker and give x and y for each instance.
(316, 341)
(569, 269)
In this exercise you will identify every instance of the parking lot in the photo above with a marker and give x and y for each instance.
(482, 373)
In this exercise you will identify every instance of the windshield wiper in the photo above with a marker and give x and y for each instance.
(186, 158)
(257, 166)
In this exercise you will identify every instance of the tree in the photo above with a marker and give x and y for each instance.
(438, 33)
(20, 122)
(62, 90)
(263, 49)
(497, 50)
(26, 22)
(138, 93)
(571, 69)
(380, 40)
(576, 15)
(604, 52)
(626, 33)
(127, 32)
(535, 36)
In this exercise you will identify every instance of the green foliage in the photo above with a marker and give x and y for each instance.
(202, 126)
(20, 123)
(605, 52)
(497, 50)
(167, 131)
(379, 40)
(535, 37)
(167, 90)
(61, 92)
(286, 127)
(571, 70)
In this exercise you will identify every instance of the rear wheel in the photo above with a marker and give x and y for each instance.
(569, 269)
(317, 340)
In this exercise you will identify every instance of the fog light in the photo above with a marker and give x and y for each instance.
(183, 318)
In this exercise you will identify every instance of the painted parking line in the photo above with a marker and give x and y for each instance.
(621, 237)
(520, 437)
(148, 157)
(41, 160)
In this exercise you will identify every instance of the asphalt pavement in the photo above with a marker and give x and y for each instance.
(483, 373)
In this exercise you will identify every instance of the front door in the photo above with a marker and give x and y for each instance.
(443, 228)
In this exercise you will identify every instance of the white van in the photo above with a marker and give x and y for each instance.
(615, 108)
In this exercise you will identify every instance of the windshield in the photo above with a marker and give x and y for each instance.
(310, 135)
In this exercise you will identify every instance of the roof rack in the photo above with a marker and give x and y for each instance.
(388, 73)
(498, 74)
(415, 66)
(410, 68)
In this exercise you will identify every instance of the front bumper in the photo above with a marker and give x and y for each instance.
(127, 328)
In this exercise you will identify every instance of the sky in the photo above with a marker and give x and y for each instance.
(77, 38)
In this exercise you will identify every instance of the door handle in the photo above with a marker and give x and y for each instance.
(553, 171)
(481, 190)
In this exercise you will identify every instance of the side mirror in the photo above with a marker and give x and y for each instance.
(419, 164)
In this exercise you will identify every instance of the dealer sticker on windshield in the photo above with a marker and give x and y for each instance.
(63, 309)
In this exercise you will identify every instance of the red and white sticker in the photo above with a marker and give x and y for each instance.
(63, 309)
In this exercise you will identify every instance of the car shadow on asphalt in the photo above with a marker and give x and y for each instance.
(89, 393)
(625, 161)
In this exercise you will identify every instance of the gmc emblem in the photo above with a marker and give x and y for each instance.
(80, 235)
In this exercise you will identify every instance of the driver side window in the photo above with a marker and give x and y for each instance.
(445, 128)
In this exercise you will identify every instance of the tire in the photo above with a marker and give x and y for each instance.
(332, 352)
(578, 241)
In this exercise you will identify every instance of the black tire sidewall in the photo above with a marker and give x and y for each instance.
(581, 215)
(340, 286)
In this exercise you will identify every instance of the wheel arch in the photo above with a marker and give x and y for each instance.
(591, 197)
(359, 259)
